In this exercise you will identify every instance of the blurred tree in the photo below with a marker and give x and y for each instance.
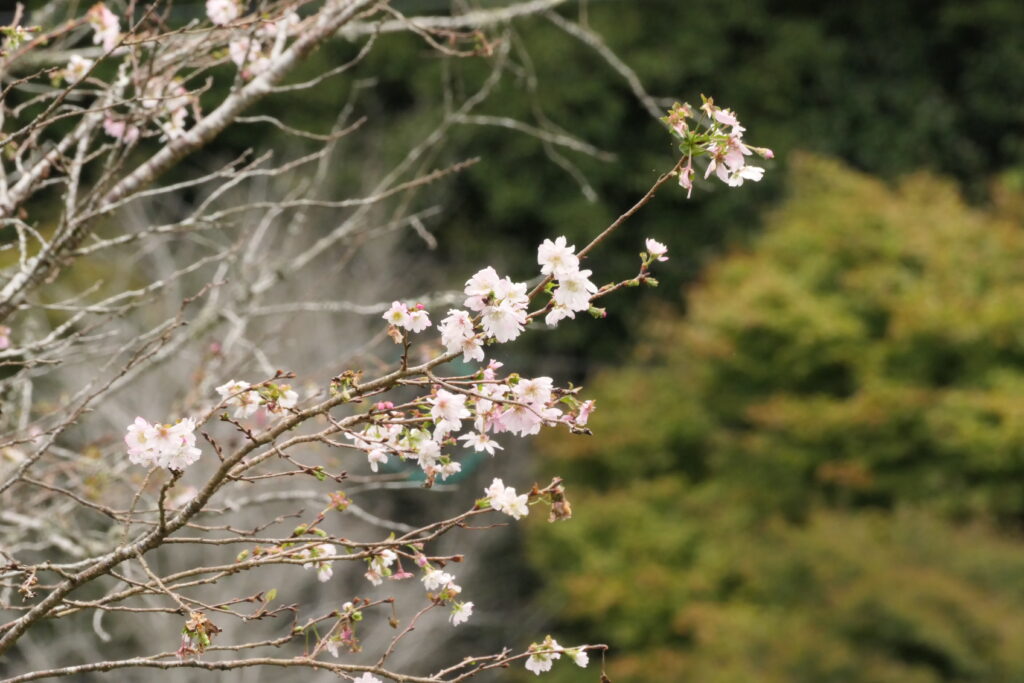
(826, 490)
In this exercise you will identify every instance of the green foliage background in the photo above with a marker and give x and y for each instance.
(818, 475)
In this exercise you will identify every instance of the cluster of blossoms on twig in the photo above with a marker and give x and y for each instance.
(572, 286)
(487, 400)
(254, 53)
(247, 401)
(162, 445)
(159, 104)
(492, 404)
(105, 25)
(718, 136)
(544, 654)
(13, 37)
(324, 568)
(505, 499)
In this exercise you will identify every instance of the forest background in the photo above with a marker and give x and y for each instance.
(831, 486)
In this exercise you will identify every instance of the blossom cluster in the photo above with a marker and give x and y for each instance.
(379, 566)
(105, 25)
(543, 655)
(324, 568)
(720, 138)
(413, 319)
(222, 12)
(344, 634)
(504, 499)
(246, 401)
(573, 286)
(488, 403)
(253, 54)
(164, 100)
(501, 305)
(162, 445)
(443, 589)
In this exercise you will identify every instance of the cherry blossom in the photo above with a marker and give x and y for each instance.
(77, 68)
(287, 398)
(504, 499)
(162, 445)
(557, 259)
(249, 56)
(526, 420)
(119, 129)
(557, 314)
(480, 442)
(106, 26)
(397, 315)
(324, 568)
(583, 412)
(449, 409)
(379, 565)
(543, 655)
(722, 142)
(574, 291)
(461, 611)
(501, 302)
(480, 288)
(457, 334)
(448, 468)
(537, 390)
(239, 397)
(152, 103)
(222, 12)
(504, 322)
(418, 319)
(427, 453)
(579, 656)
(377, 456)
(414, 319)
(366, 678)
(435, 578)
(737, 176)
(656, 249)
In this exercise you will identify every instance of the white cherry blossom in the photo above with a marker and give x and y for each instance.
(557, 259)
(574, 291)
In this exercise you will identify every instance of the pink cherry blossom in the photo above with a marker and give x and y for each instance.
(656, 249)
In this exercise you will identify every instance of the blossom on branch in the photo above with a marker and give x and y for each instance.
(504, 499)
(324, 568)
(106, 26)
(162, 445)
(543, 655)
(461, 611)
(222, 12)
(557, 259)
(656, 250)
